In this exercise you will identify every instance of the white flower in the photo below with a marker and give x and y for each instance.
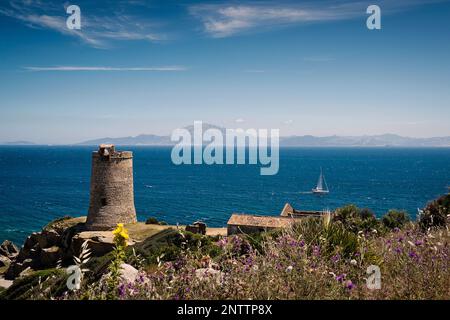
(289, 269)
(353, 262)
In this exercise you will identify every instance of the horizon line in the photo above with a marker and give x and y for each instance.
(87, 142)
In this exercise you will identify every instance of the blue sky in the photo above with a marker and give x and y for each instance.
(305, 67)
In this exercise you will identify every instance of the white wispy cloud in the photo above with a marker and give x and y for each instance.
(83, 68)
(224, 20)
(96, 30)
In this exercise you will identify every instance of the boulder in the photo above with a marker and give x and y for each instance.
(28, 253)
(8, 249)
(43, 239)
(16, 268)
(49, 257)
(4, 261)
(99, 242)
(209, 273)
(128, 273)
(30, 241)
(5, 283)
(47, 239)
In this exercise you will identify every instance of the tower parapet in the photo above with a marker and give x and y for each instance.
(112, 194)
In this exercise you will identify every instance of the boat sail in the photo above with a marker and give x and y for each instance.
(321, 187)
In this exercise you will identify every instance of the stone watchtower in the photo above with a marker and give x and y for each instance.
(112, 198)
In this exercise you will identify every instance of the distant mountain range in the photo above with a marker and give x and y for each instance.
(143, 139)
(146, 139)
(18, 143)
(384, 140)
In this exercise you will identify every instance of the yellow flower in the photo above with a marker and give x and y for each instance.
(121, 231)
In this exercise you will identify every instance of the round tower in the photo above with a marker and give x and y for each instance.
(112, 197)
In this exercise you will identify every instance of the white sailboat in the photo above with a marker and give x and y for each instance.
(321, 187)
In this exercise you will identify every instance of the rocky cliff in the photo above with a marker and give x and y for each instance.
(54, 245)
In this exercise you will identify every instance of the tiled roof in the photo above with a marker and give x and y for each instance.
(260, 221)
(288, 211)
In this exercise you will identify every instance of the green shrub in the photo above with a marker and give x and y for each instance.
(311, 229)
(171, 243)
(355, 219)
(340, 240)
(336, 238)
(436, 213)
(257, 240)
(152, 220)
(98, 266)
(395, 219)
(212, 250)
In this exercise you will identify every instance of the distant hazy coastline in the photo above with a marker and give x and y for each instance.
(385, 140)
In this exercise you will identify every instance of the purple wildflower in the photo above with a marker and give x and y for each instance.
(222, 243)
(413, 255)
(335, 258)
(349, 285)
(316, 251)
(341, 277)
(121, 290)
(293, 243)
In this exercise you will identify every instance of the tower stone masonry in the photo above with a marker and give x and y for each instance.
(112, 194)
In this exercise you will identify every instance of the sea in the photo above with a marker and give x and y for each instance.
(41, 183)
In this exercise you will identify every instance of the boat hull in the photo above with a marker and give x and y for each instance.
(318, 191)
